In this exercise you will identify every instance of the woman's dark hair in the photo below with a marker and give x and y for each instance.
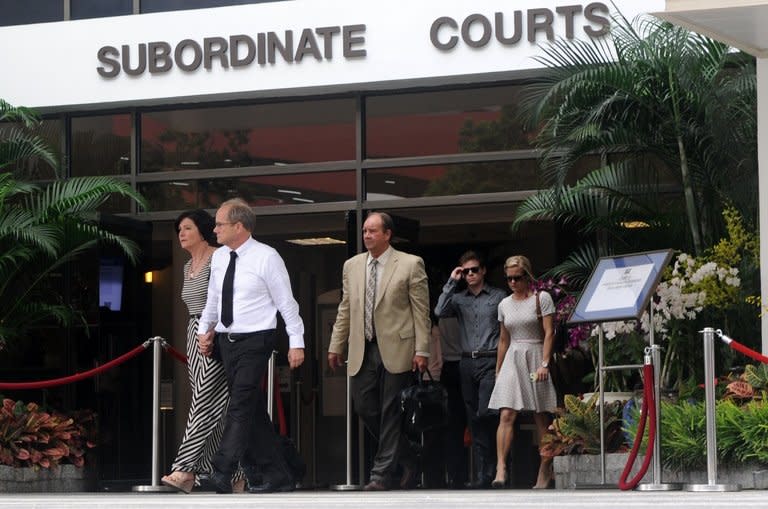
(204, 222)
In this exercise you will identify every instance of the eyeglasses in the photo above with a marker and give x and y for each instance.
(219, 225)
(516, 278)
(473, 270)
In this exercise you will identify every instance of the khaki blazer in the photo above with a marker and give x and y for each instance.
(400, 314)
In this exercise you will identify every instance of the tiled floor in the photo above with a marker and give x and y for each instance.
(517, 499)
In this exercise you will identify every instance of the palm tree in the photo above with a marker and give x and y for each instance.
(664, 109)
(18, 141)
(43, 227)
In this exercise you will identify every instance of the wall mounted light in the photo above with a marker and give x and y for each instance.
(148, 277)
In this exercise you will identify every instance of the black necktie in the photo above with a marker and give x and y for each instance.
(227, 291)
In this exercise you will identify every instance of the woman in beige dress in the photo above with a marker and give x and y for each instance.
(522, 365)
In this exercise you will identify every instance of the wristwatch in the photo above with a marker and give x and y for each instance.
(545, 364)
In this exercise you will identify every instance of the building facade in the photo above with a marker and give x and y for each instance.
(314, 112)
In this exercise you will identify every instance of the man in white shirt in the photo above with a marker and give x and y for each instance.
(249, 284)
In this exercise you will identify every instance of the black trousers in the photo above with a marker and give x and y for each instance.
(478, 377)
(249, 438)
(453, 433)
(376, 395)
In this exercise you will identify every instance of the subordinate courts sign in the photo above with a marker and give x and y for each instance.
(302, 46)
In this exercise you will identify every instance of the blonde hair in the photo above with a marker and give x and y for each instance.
(519, 261)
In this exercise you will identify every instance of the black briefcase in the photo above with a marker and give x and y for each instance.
(424, 405)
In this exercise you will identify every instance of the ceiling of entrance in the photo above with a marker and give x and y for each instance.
(740, 24)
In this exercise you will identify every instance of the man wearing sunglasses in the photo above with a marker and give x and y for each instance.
(476, 309)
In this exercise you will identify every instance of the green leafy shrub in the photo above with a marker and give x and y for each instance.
(30, 437)
(576, 429)
(742, 433)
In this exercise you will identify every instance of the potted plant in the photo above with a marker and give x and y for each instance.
(573, 441)
(43, 450)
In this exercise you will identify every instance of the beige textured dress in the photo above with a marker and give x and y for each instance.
(514, 388)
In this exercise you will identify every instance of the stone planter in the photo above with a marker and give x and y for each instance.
(64, 478)
(584, 469)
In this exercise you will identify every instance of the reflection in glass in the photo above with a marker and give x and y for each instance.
(178, 5)
(30, 168)
(450, 122)
(452, 179)
(101, 145)
(16, 12)
(258, 191)
(237, 136)
(84, 9)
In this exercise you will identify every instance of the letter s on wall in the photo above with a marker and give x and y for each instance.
(592, 13)
(111, 65)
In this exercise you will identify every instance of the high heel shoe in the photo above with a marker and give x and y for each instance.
(499, 483)
(179, 481)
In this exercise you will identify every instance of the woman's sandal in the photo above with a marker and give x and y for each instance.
(174, 480)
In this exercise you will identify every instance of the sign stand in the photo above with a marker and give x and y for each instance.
(620, 288)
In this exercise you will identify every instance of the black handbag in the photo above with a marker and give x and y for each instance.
(424, 405)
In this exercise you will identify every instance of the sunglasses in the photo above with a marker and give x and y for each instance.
(516, 278)
(473, 270)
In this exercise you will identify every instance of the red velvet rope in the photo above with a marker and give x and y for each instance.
(43, 384)
(649, 410)
(748, 352)
(175, 354)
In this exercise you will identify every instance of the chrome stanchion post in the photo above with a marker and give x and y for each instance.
(155, 486)
(348, 486)
(297, 422)
(271, 386)
(601, 402)
(656, 484)
(709, 391)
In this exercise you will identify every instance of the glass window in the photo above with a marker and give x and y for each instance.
(101, 145)
(16, 12)
(451, 122)
(178, 5)
(236, 136)
(84, 9)
(452, 179)
(258, 191)
(33, 168)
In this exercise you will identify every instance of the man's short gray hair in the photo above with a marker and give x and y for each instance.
(240, 212)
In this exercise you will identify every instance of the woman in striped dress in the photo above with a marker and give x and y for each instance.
(522, 365)
(210, 396)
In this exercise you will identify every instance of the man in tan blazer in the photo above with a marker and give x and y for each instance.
(384, 351)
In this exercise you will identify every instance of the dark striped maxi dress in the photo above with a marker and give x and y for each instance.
(210, 395)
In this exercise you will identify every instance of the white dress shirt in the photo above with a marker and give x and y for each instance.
(382, 261)
(262, 288)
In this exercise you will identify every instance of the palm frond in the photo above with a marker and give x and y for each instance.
(17, 146)
(578, 266)
(25, 116)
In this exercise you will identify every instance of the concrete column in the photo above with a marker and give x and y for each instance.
(762, 162)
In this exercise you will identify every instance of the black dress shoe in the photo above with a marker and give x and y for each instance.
(410, 479)
(220, 482)
(479, 484)
(272, 487)
(376, 486)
